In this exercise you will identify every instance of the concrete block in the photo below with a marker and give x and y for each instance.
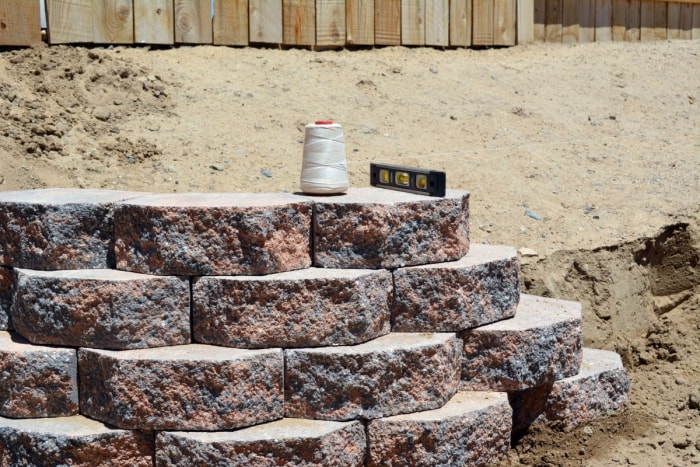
(599, 389)
(394, 374)
(541, 344)
(481, 288)
(6, 288)
(473, 428)
(376, 228)
(291, 442)
(188, 387)
(101, 308)
(213, 234)
(36, 381)
(76, 441)
(306, 308)
(58, 228)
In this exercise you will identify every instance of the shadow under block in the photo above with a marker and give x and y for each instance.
(189, 387)
(394, 374)
(306, 308)
(377, 228)
(36, 381)
(541, 344)
(290, 441)
(73, 440)
(58, 228)
(481, 288)
(473, 428)
(213, 234)
(101, 308)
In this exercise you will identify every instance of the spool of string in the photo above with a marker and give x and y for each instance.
(324, 169)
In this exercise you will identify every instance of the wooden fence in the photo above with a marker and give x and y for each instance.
(340, 23)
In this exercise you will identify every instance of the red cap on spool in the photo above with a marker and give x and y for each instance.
(324, 122)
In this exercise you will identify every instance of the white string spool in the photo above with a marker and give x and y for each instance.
(324, 170)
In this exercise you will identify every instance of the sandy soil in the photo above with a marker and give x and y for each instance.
(598, 143)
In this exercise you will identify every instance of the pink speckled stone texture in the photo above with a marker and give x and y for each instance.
(101, 308)
(394, 374)
(36, 381)
(473, 428)
(189, 387)
(6, 288)
(213, 234)
(76, 441)
(541, 344)
(481, 288)
(291, 442)
(598, 390)
(306, 308)
(375, 228)
(58, 228)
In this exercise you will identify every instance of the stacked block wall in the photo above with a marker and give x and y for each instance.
(349, 327)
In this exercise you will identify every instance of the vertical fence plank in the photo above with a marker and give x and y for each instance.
(482, 26)
(525, 21)
(413, 22)
(387, 22)
(660, 18)
(553, 18)
(359, 19)
(686, 23)
(460, 23)
(619, 19)
(437, 22)
(673, 20)
(504, 14)
(193, 23)
(646, 18)
(632, 20)
(586, 21)
(299, 22)
(695, 34)
(230, 22)
(265, 21)
(540, 19)
(603, 19)
(154, 22)
(113, 22)
(570, 21)
(20, 22)
(330, 22)
(69, 21)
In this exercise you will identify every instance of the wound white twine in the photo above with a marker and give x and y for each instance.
(324, 170)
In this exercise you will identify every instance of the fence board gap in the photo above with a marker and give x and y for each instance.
(299, 22)
(193, 23)
(525, 22)
(603, 20)
(330, 22)
(460, 23)
(359, 19)
(265, 22)
(387, 22)
(570, 21)
(554, 18)
(154, 22)
(482, 27)
(69, 21)
(673, 20)
(413, 22)
(540, 24)
(20, 22)
(632, 20)
(504, 14)
(437, 23)
(230, 25)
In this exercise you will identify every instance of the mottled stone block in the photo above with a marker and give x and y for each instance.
(291, 442)
(599, 389)
(213, 234)
(6, 288)
(541, 344)
(188, 387)
(473, 428)
(375, 228)
(36, 381)
(101, 308)
(394, 374)
(481, 288)
(58, 228)
(307, 308)
(76, 441)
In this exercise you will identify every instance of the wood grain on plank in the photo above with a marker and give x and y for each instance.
(540, 19)
(460, 23)
(413, 22)
(230, 25)
(525, 22)
(437, 23)
(299, 20)
(660, 18)
(586, 21)
(265, 21)
(619, 19)
(482, 25)
(603, 20)
(554, 17)
(633, 20)
(113, 22)
(570, 21)
(69, 21)
(695, 33)
(154, 22)
(359, 20)
(330, 22)
(387, 22)
(504, 18)
(193, 23)
(673, 20)
(20, 22)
